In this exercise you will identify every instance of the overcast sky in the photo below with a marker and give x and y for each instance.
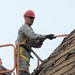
(52, 17)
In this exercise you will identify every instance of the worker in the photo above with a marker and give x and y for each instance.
(1, 67)
(0, 64)
(28, 36)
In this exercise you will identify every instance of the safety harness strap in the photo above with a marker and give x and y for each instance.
(23, 56)
(21, 50)
(25, 40)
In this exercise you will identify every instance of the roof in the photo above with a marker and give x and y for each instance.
(61, 61)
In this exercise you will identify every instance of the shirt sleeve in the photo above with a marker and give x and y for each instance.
(28, 31)
(35, 38)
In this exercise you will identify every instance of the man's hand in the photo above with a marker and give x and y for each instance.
(50, 36)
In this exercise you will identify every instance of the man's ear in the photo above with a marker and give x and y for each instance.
(25, 17)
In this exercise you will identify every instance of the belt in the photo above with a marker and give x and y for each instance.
(24, 46)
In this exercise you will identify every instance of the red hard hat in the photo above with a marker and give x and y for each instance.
(29, 13)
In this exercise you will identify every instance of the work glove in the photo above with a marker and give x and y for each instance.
(37, 44)
(50, 36)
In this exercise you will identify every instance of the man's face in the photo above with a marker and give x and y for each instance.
(29, 20)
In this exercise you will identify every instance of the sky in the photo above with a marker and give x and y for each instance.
(52, 17)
